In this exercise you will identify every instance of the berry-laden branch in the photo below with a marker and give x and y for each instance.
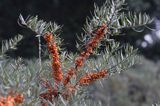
(98, 35)
(91, 77)
(56, 65)
(12, 100)
(69, 89)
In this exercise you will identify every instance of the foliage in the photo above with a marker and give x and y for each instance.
(139, 86)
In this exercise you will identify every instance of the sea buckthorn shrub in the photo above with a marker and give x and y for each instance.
(63, 79)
